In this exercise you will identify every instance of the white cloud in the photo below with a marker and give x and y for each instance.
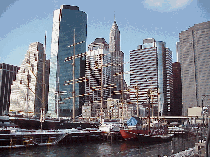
(166, 5)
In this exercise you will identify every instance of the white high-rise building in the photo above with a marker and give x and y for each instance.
(27, 90)
(98, 72)
(117, 60)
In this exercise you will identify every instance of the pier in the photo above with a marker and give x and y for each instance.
(28, 138)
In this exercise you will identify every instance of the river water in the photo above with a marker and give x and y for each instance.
(98, 149)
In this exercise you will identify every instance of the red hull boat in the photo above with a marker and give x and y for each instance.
(156, 134)
(132, 134)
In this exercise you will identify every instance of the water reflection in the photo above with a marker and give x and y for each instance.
(134, 148)
(114, 149)
(176, 145)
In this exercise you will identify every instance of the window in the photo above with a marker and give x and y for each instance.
(28, 61)
(32, 66)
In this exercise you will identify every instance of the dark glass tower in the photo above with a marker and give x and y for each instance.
(176, 107)
(7, 76)
(65, 21)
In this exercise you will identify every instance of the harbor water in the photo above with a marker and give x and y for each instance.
(108, 148)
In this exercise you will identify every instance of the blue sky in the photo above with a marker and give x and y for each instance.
(25, 21)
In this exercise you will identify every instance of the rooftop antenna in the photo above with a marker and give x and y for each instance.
(114, 16)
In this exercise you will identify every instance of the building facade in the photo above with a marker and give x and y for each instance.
(7, 76)
(117, 60)
(176, 105)
(67, 22)
(194, 57)
(27, 90)
(97, 60)
(170, 90)
(98, 73)
(151, 69)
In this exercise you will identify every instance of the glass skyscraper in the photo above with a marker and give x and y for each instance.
(65, 21)
(7, 76)
(151, 68)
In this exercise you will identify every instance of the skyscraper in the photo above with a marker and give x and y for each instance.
(176, 106)
(117, 60)
(65, 21)
(151, 68)
(7, 76)
(194, 56)
(27, 90)
(98, 73)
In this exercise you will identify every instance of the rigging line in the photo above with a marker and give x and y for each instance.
(33, 92)
(117, 74)
(82, 55)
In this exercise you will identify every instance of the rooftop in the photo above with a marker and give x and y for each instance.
(99, 40)
(69, 7)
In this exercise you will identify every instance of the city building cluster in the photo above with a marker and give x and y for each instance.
(89, 83)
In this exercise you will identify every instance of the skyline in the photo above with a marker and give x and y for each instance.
(158, 19)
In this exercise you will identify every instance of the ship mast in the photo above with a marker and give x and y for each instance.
(28, 79)
(27, 95)
(137, 97)
(102, 92)
(73, 68)
(122, 88)
(43, 85)
(149, 97)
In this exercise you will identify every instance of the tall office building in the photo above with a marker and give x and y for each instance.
(27, 90)
(169, 73)
(7, 76)
(65, 21)
(151, 68)
(98, 73)
(194, 57)
(176, 96)
(117, 60)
